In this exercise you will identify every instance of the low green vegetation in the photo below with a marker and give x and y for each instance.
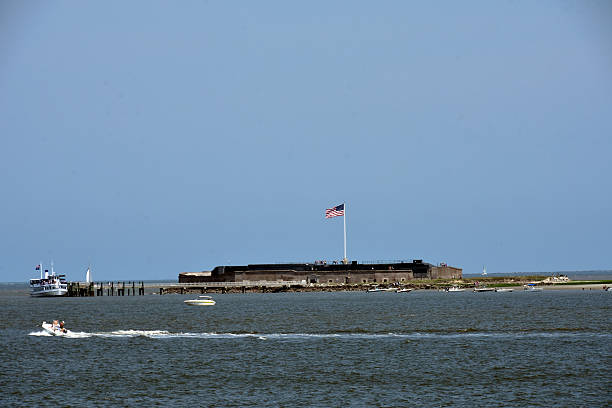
(505, 284)
(505, 279)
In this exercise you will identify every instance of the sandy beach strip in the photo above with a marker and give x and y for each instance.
(580, 286)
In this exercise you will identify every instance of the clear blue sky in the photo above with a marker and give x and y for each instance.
(149, 138)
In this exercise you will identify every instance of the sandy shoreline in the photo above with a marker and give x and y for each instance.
(582, 286)
(180, 289)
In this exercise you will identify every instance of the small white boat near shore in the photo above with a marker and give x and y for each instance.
(484, 289)
(403, 290)
(504, 290)
(200, 301)
(455, 289)
(377, 289)
(531, 287)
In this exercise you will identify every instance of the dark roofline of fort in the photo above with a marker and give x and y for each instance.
(416, 264)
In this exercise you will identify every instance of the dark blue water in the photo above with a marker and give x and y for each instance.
(423, 348)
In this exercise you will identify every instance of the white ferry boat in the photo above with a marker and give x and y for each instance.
(49, 285)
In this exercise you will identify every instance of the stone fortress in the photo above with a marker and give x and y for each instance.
(322, 272)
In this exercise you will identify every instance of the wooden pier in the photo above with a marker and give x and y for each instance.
(133, 288)
(84, 289)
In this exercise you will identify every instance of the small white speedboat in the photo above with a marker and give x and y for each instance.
(377, 289)
(531, 287)
(200, 301)
(53, 330)
(484, 289)
(455, 289)
(503, 289)
(403, 290)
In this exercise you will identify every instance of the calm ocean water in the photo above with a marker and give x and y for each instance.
(423, 348)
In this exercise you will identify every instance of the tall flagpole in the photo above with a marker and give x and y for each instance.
(345, 260)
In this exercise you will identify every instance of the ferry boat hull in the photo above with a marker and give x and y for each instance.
(49, 292)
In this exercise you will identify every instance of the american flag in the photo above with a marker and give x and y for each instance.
(337, 211)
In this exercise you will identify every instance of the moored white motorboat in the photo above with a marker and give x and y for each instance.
(484, 289)
(377, 289)
(504, 289)
(403, 290)
(455, 289)
(531, 287)
(55, 329)
(200, 301)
